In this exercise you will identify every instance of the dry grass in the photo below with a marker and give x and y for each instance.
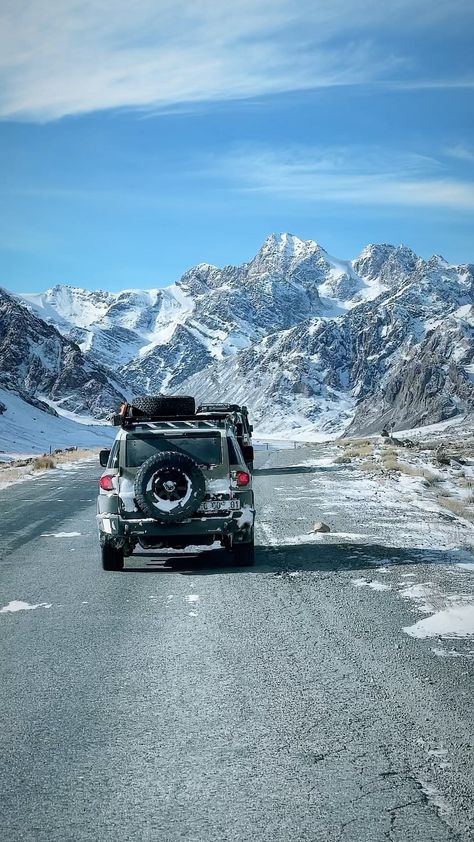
(43, 463)
(343, 459)
(361, 450)
(418, 471)
(357, 448)
(371, 467)
(458, 507)
(390, 463)
(23, 469)
(75, 455)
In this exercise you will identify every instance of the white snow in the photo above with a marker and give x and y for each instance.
(246, 518)
(88, 420)
(375, 585)
(451, 653)
(434, 797)
(60, 534)
(17, 605)
(25, 429)
(420, 594)
(456, 621)
(192, 598)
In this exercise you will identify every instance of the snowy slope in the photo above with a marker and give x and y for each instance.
(25, 429)
(37, 362)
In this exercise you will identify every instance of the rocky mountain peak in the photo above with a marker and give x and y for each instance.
(282, 253)
(385, 263)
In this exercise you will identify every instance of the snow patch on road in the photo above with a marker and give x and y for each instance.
(434, 797)
(456, 621)
(60, 534)
(452, 653)
(192, 598)
(375, 585)
(420, 594)
(17, 605)
(323, 461)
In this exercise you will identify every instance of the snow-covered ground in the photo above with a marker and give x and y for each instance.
(402, 508)
(27, 430)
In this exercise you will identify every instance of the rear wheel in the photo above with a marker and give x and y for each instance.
(112, 557)
(244, 554)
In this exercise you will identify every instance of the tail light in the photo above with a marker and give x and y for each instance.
(106, 483)
(242, 478)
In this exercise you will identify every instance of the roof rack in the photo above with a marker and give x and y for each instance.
(127, 421)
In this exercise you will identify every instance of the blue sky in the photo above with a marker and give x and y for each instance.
(139, 139)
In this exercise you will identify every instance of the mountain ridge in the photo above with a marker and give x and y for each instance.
(333, 343)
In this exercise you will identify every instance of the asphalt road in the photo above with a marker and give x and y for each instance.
(186, 699)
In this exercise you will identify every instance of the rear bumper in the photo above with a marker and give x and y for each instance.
(115, 526)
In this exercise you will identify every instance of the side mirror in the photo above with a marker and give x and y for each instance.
(104, 457)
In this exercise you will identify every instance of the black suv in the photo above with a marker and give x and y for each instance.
(174, 478)
(239, 417)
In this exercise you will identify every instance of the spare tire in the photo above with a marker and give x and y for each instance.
(169, 487)
(163, 405)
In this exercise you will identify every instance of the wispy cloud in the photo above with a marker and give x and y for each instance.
(461, 152)
(67, 57)
(351, 176)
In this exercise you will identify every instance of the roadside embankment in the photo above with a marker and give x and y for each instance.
(18, 468)
(438, 470)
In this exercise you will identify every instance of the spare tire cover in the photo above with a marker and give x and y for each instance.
(169, 487)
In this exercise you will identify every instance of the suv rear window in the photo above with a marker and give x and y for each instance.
(205, 448)
(235, 456)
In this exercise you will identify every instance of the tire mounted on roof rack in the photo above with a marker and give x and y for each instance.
(163, 405)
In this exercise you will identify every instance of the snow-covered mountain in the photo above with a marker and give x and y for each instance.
(404, 357)
(47, 370)
(305, 339)
(159, 337)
